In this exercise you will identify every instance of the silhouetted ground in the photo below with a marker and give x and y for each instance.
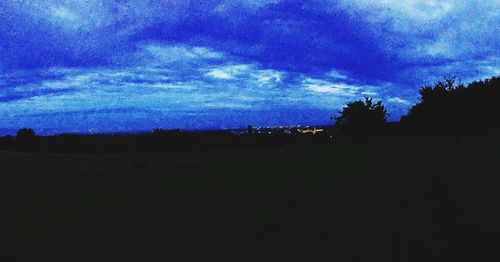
(389, 200)
(159, 141)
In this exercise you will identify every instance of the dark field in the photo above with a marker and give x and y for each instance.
(428, 200)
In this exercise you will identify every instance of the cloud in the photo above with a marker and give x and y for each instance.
(228, 71)
(221, 54)
(219, 74)
(161, 54)
(175, 87)
(465, 70)
(448, 28)
(65, 16)
(376, 40)
(337, 75)
(323, 86)
(269, 77)
(252, 74)
(398, 100)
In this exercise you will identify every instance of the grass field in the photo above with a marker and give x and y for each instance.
(365, 201)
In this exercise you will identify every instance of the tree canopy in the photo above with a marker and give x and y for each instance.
(25, 133)
(450, 107)
(361, 118)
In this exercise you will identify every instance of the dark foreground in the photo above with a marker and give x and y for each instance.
(428, 200)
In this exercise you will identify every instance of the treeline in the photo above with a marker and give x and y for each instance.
(450, 108)
(445, 108)
(156, 141)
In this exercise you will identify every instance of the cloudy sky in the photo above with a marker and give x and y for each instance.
(134, 65)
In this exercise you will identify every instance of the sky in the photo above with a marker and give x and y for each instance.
(100, 66)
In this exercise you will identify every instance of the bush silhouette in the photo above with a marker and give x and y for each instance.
(361, 118)
(25, 134)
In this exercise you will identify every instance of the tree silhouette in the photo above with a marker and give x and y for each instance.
(25, 134)
(25, 139)
(250, 130)
(361, 118)
(450, 108)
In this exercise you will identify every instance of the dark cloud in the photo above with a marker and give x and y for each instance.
(370, 39)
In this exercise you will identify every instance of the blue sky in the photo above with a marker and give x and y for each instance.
(131, 65)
